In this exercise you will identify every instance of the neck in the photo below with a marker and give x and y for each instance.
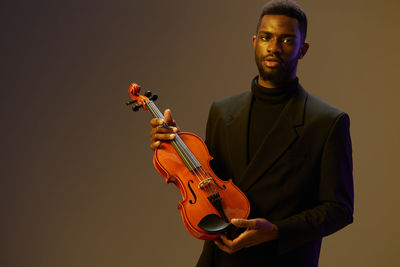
(271, 84)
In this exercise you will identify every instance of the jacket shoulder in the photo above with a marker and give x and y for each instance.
(229, 106)
(318, 108)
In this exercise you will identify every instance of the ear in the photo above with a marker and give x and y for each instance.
(303, 50)
(254, 41)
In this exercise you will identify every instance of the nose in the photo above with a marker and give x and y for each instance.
(274, 46)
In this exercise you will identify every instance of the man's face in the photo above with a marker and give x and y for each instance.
(278, 47)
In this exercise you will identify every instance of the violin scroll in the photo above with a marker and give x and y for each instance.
(139, 100)
(208, 203)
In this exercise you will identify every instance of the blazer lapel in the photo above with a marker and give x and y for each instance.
(276, 143)
(237, 135)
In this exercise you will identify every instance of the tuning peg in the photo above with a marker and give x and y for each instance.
(147, 94)
(131, 102)
(154, 97)
(136, 107)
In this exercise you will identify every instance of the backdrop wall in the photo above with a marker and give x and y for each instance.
(77, 185)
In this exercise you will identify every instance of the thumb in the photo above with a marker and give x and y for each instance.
(168, 116)
(242, 223)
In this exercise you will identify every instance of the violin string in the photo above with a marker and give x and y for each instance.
(187, 156)
(199, 170)
(212, 185)
(210, 188)
(180, 147)
(195, 170)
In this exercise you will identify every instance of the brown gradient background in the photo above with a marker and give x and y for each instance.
(78, 187)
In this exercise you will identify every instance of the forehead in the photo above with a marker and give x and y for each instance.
(279, 24)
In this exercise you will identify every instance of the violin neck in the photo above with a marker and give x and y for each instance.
(183, 151)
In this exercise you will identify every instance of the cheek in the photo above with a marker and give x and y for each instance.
(257, 53)
(260, 51)
(292, 52)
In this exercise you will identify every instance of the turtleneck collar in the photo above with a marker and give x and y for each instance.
(273, 95)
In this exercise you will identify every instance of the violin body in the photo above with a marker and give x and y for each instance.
(208, 203)
(195, 205)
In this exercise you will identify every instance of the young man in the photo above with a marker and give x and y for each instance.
(288, 151)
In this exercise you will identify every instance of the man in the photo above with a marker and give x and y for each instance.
(288, 151)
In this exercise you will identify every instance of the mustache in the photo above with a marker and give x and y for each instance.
(273, 57)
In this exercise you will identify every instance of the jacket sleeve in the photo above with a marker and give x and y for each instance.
(334, 209)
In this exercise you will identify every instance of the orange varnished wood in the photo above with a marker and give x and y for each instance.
(171, 167)
(194, 205)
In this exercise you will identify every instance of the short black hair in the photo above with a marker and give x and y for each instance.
(288, 8)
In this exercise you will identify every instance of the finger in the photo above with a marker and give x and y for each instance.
(242, 223)
(155, 140)
(168, 116)
(223, 247)
(232, 245)
(242, 241)
(159, 134)
(159, 125)
(155, 145)
(162, 137)
(226, 240)
(156, 122)
(162, 129)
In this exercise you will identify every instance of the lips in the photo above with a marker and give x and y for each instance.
(272, 62)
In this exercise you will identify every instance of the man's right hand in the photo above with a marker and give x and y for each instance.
(160, 133)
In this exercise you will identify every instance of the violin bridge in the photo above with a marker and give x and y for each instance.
(205, 182)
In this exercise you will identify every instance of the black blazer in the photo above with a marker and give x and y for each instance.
(300, 178)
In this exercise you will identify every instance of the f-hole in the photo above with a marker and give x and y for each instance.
(194, 195)
(223, 186)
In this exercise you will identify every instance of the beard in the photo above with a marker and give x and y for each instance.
(278, 75)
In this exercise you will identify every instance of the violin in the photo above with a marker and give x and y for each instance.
(208, 203)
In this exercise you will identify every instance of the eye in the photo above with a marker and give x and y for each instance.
(288, 41)
(265, 37)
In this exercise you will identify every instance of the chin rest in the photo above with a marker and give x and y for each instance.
(214, 224)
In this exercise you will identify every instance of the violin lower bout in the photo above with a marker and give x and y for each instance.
(199, 186)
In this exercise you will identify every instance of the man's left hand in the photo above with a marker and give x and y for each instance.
(258, 231)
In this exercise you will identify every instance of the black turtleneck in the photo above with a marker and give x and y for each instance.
(267, 104)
